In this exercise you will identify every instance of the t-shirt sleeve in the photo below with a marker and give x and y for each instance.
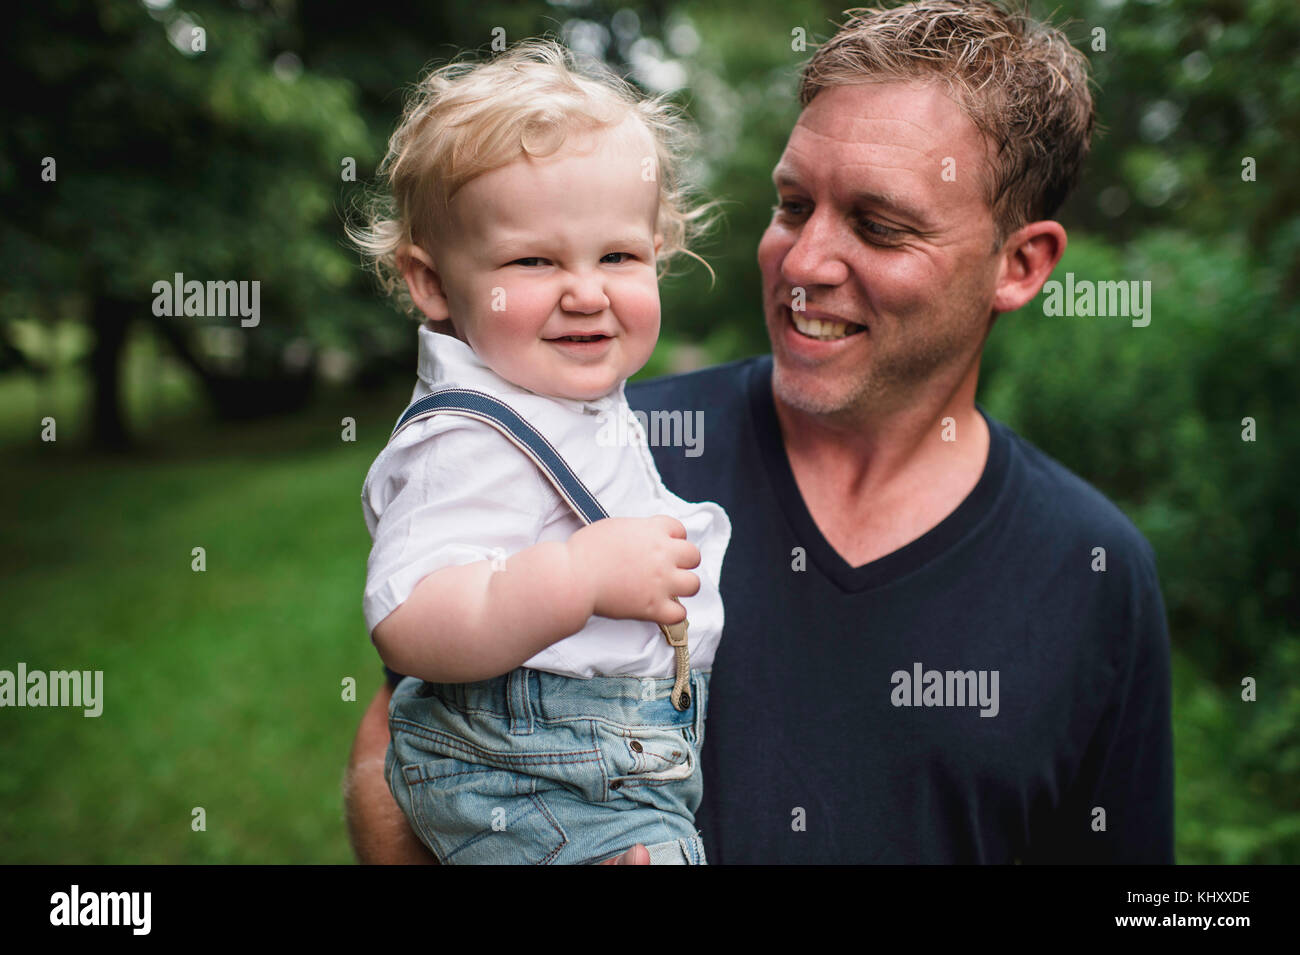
(447, 491)
(1128, 767)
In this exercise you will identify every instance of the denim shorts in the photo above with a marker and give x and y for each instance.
(537, 768)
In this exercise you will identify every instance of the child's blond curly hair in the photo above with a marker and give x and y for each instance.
(465, 119)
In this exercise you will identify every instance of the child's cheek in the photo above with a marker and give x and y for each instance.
(526, 305)
(642, 307)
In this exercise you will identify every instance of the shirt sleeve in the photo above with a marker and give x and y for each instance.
(447, 491)
(1128, 768)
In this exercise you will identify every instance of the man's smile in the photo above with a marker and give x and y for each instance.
(817, 327)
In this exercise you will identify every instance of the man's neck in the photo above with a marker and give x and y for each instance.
(878, 480)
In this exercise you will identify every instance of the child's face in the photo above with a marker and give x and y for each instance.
(561, 246)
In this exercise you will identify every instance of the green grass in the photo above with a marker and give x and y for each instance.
(222, 689)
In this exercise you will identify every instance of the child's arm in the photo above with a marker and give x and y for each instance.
(468, 623)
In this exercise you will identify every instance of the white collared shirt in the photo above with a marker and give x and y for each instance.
(471, 495)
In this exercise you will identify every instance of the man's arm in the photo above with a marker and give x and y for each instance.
(379, 833)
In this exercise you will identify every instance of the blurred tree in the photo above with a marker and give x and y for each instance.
(216, 162)
(1189, 90)
(211, 141)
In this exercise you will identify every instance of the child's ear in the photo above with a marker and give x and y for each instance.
(423, 282)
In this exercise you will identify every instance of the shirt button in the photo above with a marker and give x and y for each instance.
(636, 746)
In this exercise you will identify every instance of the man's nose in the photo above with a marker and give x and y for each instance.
(816, 257)
(584, 294)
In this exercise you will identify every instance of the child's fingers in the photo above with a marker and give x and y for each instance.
(686, 554)
(672, 525)
(672, 612)
(685, 584)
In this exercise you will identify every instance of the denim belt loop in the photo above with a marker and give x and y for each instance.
(519, 702)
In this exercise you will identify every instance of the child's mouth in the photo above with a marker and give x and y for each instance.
(583, 347)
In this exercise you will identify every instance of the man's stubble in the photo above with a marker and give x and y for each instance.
(916, 356)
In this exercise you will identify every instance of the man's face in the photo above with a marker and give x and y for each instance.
(883, 246)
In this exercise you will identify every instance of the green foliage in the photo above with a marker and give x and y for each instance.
(1187, 90)
(213, 164)
(1154, 417)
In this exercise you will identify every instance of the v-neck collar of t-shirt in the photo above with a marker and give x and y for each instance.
(948, 533)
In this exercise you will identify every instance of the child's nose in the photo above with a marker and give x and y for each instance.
(584, 295)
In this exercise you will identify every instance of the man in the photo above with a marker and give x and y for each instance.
(941, 646)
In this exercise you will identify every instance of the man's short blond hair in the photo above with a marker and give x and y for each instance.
(465, 119)
(1021, 82)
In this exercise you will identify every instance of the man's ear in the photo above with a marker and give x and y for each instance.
(1028, 257)
(423, 282)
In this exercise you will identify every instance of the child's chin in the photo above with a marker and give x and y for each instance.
(587, 390)
(588, 395)
(591, 395)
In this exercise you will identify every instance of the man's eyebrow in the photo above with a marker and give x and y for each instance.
(783, 177)
(883, 200)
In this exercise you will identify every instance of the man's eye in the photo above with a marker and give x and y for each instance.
(794, 209)
(615, 256)
(877, 231)
(789, 207)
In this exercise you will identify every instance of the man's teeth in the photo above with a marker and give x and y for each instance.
(823, 329)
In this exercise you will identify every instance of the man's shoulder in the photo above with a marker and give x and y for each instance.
(1067, 507)
(694, 388)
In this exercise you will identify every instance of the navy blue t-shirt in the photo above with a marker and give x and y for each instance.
(844, 718)
(811, 754)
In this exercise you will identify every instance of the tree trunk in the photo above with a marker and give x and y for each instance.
(110, 318)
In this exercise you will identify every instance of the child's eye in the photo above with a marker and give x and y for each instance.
(529, 261)
(627, 255)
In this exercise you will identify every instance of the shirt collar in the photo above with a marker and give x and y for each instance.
(446, 361)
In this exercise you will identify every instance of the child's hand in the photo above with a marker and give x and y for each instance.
(635, 567)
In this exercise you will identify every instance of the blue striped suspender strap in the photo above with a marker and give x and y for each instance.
(468, 403)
